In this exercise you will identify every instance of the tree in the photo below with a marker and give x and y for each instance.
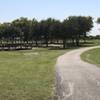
(25, 26)
(35, 31)
(26, 31)
(78, 26)
(98, 20)
(45, 29)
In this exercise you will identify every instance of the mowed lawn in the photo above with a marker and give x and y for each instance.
(92, 56)
(28, 75)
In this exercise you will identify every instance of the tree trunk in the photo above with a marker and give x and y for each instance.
(64, 43)
(46, 42)
(36, 43)
(73, 41)
(77, 42)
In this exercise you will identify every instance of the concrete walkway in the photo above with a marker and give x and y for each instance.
(76, 79)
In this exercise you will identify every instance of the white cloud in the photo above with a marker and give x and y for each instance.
(96, 29)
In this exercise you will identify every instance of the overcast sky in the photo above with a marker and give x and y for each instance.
(42, 9)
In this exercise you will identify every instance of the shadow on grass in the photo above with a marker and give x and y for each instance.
(86, 44)
(55, 46)
(60, 48)
(19, 49)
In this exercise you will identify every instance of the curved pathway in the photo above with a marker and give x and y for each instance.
(76, 79)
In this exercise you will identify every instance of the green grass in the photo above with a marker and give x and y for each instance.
(92, 56)
(96, 41)
(28, 75)
(92, 42)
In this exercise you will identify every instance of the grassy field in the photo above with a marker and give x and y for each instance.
(28, 75)
(92, 56)
(92, 42)
(96, 41)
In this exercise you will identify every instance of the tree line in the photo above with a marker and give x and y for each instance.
(27, 33)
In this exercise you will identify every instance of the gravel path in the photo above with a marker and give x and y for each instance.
(76, 79)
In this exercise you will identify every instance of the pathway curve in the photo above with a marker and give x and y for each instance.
(76, 79)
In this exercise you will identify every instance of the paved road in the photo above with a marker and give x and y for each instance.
(76, 79)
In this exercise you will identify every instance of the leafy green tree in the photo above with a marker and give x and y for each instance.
(26, 31)
(45, 29)
(35, 31)
(78, 27)
(25, 26)
(98, 20)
